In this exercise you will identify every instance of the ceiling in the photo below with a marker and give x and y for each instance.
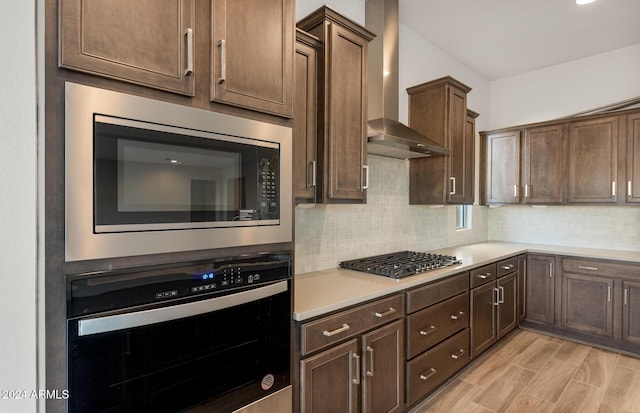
(501, 38)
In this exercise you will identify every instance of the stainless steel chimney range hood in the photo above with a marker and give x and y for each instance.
(387, 136)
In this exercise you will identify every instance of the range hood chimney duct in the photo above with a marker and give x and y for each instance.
(387, 136)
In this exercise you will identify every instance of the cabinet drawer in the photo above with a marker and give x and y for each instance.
(428, 371)
(432, 325)
(423, 297)
(600, 267)
(326, 331)
(482, 275)
(507, 266)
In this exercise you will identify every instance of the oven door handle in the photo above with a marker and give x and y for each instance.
(158, 315)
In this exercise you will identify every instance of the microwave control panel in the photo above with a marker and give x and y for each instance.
(268, 191)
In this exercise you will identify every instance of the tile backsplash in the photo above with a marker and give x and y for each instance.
(328, 234)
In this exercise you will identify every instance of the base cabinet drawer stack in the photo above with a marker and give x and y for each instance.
(353, 361)
(437, 334)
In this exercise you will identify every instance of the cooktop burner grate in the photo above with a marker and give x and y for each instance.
(400, 264)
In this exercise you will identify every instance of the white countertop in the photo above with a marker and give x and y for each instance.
(321, 292)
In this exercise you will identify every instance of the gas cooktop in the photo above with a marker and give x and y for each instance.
(400, 264)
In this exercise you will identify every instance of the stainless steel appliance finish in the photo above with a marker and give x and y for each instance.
(209, 336)
(400, 264)
(91, 113)
(387, 136)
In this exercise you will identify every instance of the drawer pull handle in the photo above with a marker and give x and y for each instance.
(456, 355)
(428, 330)
(457, 316)
(508, 267)
(485, 276)
(584, 267)
(432, 371)
(344, 327)
(356, 380)
(370, 351)
(391, 311)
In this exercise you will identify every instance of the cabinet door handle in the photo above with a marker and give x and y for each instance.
(629, 188)
(344, 327)
(460, 352)
(453, 185)
(613, 188)
(313, 166)
(356, 380)
(386, 313)
(515, 191)
(526, 191)
(222, 44)
(426, 376)
(366, 177)
(497, 294)
(608, 294)
(583, 267)
(457, 316)
(427, 330)
(501, 299)
(189, 34)
(550, 270)
(626, 296)
(370, 351)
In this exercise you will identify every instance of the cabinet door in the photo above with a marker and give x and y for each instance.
(542, 165)
(461, 145)
(330, 381)
(252, 44)
(631, 311)
(633, 158)
(305, 120)
(383, 369)
(522, 287)
(484, 303)
(587, 305)
(503, 168)
(593, 161)
(540, 288)
(346, 113)
(148, 42)
(507, 309)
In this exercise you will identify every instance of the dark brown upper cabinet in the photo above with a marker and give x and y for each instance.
(305, 120)
(438, 110)
(501, 165)
(633, 158)
(543, 165)
(252, 47)
(342, 175)
(147, 42)
(592, 161)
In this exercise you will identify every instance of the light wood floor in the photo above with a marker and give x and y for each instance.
(530, 372)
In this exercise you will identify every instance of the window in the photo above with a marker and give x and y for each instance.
(463, 216)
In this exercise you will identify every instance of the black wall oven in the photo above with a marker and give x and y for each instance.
(212, 335)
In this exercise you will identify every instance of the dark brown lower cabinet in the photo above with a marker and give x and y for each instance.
(631, 311)
(587, 304)
(494, 312)
(432, 368)
(365, 374)
(541, 288)
(328, 380)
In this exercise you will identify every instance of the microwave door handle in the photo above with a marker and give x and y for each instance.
(158, 315)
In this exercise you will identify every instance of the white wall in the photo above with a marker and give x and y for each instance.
(353, 9)
(566, 89)
(18, 208)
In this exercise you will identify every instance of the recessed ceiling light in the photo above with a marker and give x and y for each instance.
(584, 1)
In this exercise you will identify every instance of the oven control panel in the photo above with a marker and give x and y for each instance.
(93, 293)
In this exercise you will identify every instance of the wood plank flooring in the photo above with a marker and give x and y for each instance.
(534, 373)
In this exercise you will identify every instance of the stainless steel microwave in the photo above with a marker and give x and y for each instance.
(144, 177)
